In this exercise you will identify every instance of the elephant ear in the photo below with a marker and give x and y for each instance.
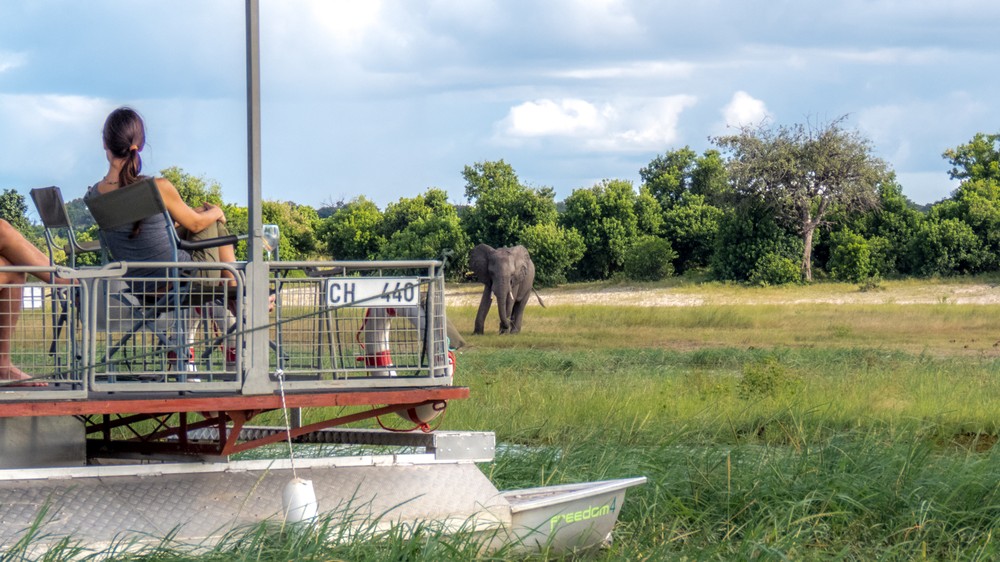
(522, 270)
(479, 259)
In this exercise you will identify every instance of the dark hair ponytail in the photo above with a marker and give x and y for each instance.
(124, 137)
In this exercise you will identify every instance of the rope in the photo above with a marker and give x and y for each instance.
(288, 425)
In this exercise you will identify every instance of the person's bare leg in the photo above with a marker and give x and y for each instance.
(10, 311)
(16, 250)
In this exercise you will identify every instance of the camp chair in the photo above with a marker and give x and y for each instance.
(166, 301)
(56, 222)
(55, 219)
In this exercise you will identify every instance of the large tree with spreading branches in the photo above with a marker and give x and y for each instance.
(803, 172)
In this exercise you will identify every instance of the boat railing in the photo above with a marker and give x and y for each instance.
(154, 327)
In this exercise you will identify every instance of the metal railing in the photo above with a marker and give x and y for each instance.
(333, 325)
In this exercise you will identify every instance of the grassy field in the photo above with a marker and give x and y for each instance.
(801, 429)
(798, 430)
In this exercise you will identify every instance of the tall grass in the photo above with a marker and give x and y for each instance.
(545, 397)
(774, 432)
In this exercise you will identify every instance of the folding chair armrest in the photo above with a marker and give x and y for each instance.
(207, 243)
(84, 246)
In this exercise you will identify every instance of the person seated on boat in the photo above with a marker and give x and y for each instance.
(148, 240)
(124, 138)
(16, 250)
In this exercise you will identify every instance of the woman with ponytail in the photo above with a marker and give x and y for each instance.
(124, 138)
(148, 240)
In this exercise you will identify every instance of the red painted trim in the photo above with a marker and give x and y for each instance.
(198, 403)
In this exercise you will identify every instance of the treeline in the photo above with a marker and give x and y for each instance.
(765, 206)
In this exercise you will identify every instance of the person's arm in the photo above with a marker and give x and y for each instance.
(194, 220)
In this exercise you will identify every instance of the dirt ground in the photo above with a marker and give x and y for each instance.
(905, 292)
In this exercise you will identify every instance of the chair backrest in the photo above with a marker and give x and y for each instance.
(126, 205)
(52, 210)
(50, 206)
(129, 205)
(137, 202)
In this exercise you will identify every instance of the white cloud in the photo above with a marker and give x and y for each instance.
(555, 118)
(345, 24)
(10, 60)
(642, 69)
(744, 110)
(914, 134)
(622, 125)
(595, 18)
(890, 56)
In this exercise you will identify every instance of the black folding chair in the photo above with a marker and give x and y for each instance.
(55, 219)
(174, 293)
(56, 222)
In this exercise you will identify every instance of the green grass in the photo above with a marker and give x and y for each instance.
(801, 432)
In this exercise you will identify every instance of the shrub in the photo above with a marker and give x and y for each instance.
(850, 257)
(766, 378)
(775, 269)
(650, 258)
(946, 247)
(745, 237)
(554, 250)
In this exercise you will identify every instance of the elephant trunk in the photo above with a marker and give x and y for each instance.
(505, 302)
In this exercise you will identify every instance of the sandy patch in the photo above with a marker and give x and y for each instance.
(932, 293)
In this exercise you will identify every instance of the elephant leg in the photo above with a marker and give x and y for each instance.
(517, 315)
(484, 308)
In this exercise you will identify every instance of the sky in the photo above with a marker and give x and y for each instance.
(387, 98)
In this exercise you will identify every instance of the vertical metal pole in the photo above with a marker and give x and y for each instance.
(256, 381)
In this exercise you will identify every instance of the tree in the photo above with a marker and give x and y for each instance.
(399, 215)
(749, 236)
(977, 199)
(802, 174)
(979, 159)
(668, 176)
(354, 231)
(503, 207)
(672, 175)
(554, 251)
(425, 227)
(194, 190)
(13, 209)
(605, 215)
(297, 225)
(691, 225)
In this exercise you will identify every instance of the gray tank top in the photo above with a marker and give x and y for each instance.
(152, 242)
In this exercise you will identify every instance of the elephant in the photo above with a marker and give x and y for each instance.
(509, 274)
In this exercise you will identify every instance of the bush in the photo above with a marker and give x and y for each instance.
(850, 257)
(857, 259)
(766, 378)
(946, 247)
(649, 259)
(554, 250)
(774, 269)
(745, 237)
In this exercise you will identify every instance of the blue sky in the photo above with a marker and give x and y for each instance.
(387, 98)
